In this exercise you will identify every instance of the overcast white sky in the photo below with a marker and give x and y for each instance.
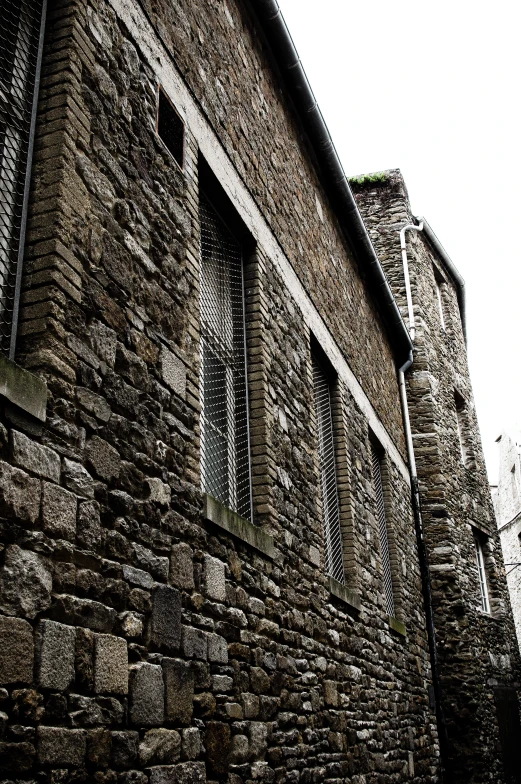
(433, 88)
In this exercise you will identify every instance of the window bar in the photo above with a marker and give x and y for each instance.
(382, 530)
(225, 459)
(331, 508)
(22, 28)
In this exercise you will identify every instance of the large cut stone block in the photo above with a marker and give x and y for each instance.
(59, 508)
(160, 747)
(16, 651)
(57, 645)
(147, 695)
(173, 372)
(179, 690)
(34, 457)
(182, 566)
(19, 494)
(166, 618)
(214, 578)
(61, 747)
(110, 665)
(103, 459)
(25, 584)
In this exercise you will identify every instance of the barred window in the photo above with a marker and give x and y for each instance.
(225, 459)
(21, 35)
(328, 477)
(376, 458)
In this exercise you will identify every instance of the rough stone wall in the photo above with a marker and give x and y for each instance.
(507, 504)
(477, 651)
(225, 63)
(139, 641)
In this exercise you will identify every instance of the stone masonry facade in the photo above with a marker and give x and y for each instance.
(148, 635)
(478, 650)
(507, 504)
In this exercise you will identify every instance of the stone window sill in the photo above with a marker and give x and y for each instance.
(23, 388)
(397, 626)
(237, 526)
(345, 594)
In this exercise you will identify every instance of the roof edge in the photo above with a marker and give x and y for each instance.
(278, 38)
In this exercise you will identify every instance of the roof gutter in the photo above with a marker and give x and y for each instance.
(281, 44)
(455, 275)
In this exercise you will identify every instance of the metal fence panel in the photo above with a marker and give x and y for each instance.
(331, 508)
(21, 37)
(225, 458)
(382, 530)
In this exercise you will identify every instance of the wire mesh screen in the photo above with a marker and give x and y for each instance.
(382, 530)
(225, 460)
(331, 508)
(20, 26)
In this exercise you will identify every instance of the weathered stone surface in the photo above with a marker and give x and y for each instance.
(89, 525)
(157, 565)
(195, 643)
(19, 494)
(182, 566)
(103, 341)
(99, 747)
(59, 508)
(147, 695)
(56, 654)
(179, 690)
(217, 649)
(16, 651)
(84, 612)
(61, 747)
(93, 403)
(137, 576)
(173, 372)
(34, 457)
(103, 458)
(78, 479)
(218, 747)
(124, 749)
(191, 773)
(192, 744)
(110, 665)
(166, 618)
(160, 747)
(158, 491)
(214, 578)
(16, 758)
(25, 583)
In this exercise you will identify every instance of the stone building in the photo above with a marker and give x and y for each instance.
(477, 652)
(507, 504)
(212, 558)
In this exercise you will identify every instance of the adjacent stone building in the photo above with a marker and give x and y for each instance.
(213, 563)
(476, 646)
(507, 503)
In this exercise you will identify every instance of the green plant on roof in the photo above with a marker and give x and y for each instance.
(369, 179)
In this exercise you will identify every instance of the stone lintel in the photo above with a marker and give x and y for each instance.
(237, 526)
(345, 594)
(23, 388)
(397, 626)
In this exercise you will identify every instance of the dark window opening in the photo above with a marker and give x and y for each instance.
(377, 457)
(170, 128)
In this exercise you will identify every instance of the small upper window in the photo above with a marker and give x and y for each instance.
(479, 539)
(170, 128)
(460, 427)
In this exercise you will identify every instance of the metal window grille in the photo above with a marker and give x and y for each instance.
(21, 40)
(170, 128)
(382, 530)
(225, 459)
(328, 480)
(483, 587)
